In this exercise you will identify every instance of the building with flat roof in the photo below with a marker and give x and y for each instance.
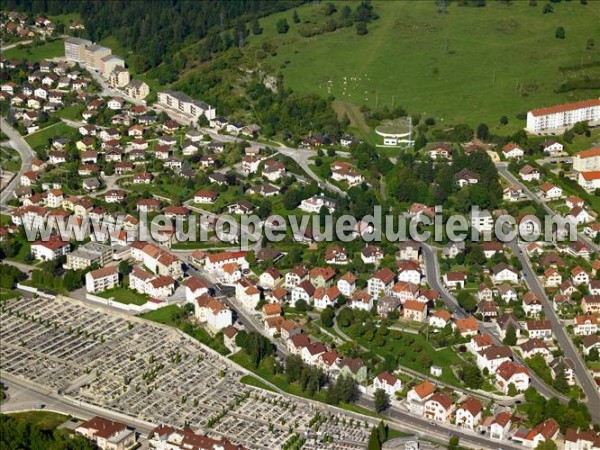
(183, 108)
(88, 254)
(75, 49)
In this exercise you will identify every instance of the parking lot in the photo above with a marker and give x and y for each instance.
(156, 374)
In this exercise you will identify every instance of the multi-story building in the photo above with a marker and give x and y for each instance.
(185, 107)
(75, 49)
(109, 63)
(587, 160)
(102, 279)
(88, 254)
(559, 117)
(119, 77)
(94, 54)
(137, 89)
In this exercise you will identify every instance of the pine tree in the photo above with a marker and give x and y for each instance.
(511, 335)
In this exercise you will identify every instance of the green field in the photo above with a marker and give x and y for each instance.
(469, 65)
(46, 420)
(71, 112)
(256, 382)
(40, 138)
(37, 53)
(10, 159)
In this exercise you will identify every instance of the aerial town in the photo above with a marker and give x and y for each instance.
(148, 340)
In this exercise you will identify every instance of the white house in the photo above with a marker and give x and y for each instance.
(504, 273)
(550, 191)
(512, 373)
(492, 357)
(388, 383)
(512, 151)
(418, 395)
(468, 414)
(347, 284)
(194, 288)
(50, 250)
(529, 173)
(438, 408)
(500, 426)
(455, 280)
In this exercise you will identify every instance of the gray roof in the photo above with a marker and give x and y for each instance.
(78, 41)
(186, 98)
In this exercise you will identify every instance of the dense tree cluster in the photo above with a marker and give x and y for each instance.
(10, 276)
(22, 435)
(310, 378)
(257, 346)
(429, 183)
(570, 415)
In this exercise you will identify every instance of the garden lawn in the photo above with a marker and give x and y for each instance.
(40, 138)
(408, 356)
(46, 420)
(37, 53)
(124, 295)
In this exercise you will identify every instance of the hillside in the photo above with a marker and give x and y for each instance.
(468, 65)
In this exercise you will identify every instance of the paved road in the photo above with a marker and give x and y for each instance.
(26, 153)
(433, 274)
(3, 47)
(564, 342)
(440, 431)
(433, 278)
(22, 393)
(503, 170)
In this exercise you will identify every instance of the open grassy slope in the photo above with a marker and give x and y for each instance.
(468, 65)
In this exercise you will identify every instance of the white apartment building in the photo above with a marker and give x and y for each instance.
(558, 117)
(102, 279)
(186, 106)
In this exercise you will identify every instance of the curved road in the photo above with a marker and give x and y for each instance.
(25, 152)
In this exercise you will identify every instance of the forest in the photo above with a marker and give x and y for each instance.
(152, 29)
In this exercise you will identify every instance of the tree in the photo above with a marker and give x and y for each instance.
(73, 279)
(560, 33)
(374, 443)
(547, 444)
(330, 9)
(382, 400)
(593, 354)
(327, 316)
(467, 301)
(296, 17)
(503, 120)
(282, 26)
(361, 28)
(560, 381)
(125, 268)
(301, 305)
(512, 390)
(483, 131)
(511, 335)
(471, 376)
(453, 443)
(256, 28)
(548, 8)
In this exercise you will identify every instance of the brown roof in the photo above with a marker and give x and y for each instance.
(472, 405)
(444, 400)
(424, 389)
(104, 428)
(566, 107)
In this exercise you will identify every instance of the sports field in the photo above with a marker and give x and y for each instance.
(468, 65)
